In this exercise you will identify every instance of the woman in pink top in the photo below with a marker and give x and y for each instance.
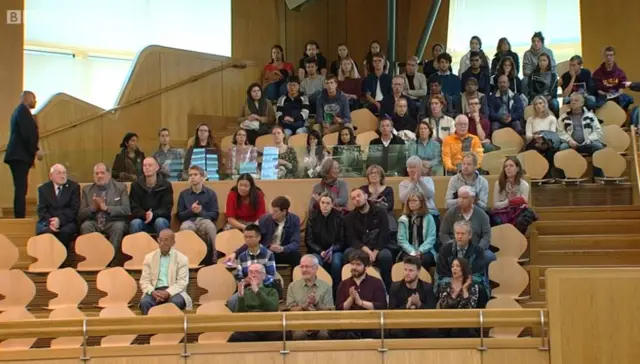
(275, 73)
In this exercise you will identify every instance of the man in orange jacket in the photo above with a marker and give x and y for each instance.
(455, 145)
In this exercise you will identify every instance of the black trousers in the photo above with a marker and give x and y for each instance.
(20, 173)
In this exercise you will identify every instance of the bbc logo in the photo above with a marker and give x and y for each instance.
(14, 16)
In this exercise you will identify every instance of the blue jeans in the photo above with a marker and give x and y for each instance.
(624, 101)
(587, 149)
(289, 132)
(334, 268)
(138, 225)
(148, 302)
(272, 92)
(635, 117)
(489, 257)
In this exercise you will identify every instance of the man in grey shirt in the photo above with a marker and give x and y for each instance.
(313, 84)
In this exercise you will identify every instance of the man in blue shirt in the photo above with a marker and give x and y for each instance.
(376, 85)
(450, 82)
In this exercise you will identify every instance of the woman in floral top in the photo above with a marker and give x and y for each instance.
(460, 291)
(241, 153)
(287, 157)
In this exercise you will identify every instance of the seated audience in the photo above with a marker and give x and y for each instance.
(544, 82)
(388, 151)
(313, 155)
(203, 139)
(343, 54)
(127, 165)
(287, 156)
(368, 232)
(504, 50)
(313, 84)
(418, 182)
(478, 219)
(475, 46)
(241, 156)
(309, 294)
(531, 56)
(580, 129)
(511, 196)
(479, 125)
(280, 232)
(450, 82)
(389, 101)
(402, 119)
(459, 293)
(198, 211)
(324, 236)
(332, 107)
(417, 231)
(411, 293)
(435, 89)
(360, 292)
(58, 205)
(441, 123)
(506, 67)
(257, 115)
(461, 102)
(166, 154)
(611, 79)
(245, 203)
(462, 246)
(165, 275)
(468, 176)
(312, 51)
(541, 131)
(505, 107)
(347, 153)
(456, 145)
(578, 79)
(151, 199)
(332, 185)
(292, 109)
(430, 67)
(379, 194)
(376, 85)
(368, 66)
(415, 83)
(275, 73)
(428, 149)
(104, 207)
(477, 72)
(350, 83)
(254, 296)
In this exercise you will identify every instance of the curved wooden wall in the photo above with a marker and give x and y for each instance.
(79, 147)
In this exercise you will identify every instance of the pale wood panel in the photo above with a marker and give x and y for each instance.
(417, 16)
(62, 110)
(11, 66)
(245, 358)
(467, 356)
(594, 306)
(336, 29)
(520, 356)
(255, 27)
(336, 357)
(366, 21)
(308, 24)
(164, 359)
(235, 83)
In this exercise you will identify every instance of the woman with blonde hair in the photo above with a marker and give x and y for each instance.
(417, 231)
(350, 83)
(541, 131)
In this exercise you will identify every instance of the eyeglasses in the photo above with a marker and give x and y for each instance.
(474, 103)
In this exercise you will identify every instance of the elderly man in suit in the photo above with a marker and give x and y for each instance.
(58, 205)
(105, 207)
(165, 276)
(22, 150)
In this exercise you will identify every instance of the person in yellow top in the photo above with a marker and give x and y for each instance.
(455, 145)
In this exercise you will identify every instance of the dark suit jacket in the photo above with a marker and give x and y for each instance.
(23, 139)
(65, 207)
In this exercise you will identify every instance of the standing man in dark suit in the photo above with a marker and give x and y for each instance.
(58, 205)
(22, 150)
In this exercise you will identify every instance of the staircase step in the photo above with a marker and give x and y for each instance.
(588, 227)
(624, 212)
(586, 243)
(594, 258)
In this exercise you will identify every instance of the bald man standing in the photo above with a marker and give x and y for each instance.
(22, 150)
(58, 205)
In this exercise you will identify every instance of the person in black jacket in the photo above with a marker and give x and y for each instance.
(22, 149)
(58, 205)
(388, 151)
(151, 199)
(325, 237)
(504, 50)
(367, 229)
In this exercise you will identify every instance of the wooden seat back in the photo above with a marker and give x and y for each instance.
(17, 288)
(117, 340)
(16, 314)
(571, 162)
(165, 309)
(298, 141)
(190, 244)
(70, 287)
(213, 308)
(48, 251)
(507, 138)
(616, 138)
(504, 332)
(363, 121)
(68, 312)
(509, 240)
(534, 163)
(119, 286)
(96, 250)
(511, 277)
(137, 245)
(613, 165)
(229, 241)
(10, 253)
(217, 281)
(397, 273)
(611, 114)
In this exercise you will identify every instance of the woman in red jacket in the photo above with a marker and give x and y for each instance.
(245, 203)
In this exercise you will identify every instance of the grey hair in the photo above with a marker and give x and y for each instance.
(312, 257)
(56, 166)
(468, 190)
(413, 58)
(579, 95)
(463, 223)
(414, 161)
(106, 167)
(262, 269)
(326, 166)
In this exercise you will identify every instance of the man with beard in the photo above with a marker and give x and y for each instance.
(411, 294)
(360, 292)
(368, 232)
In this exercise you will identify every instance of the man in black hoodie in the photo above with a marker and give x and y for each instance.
(151, 199)
(368, 230)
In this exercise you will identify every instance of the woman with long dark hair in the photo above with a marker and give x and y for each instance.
(504, 50)
(127, 165)
(507, 67)
(245, 203)
(374, 47)
(347, 153)
(203, 139)
(257, 116)
(511, 196)
(314, 154)
(343, 53)
(275, 73)
(430, 66)
(241, 153)
(544, 82)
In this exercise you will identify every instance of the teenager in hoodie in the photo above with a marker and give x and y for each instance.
(530, 59)
(635, 114)
(610, 79)
(475, 45)
(504, 50)
(332, 107)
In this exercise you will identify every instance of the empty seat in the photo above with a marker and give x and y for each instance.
(119, 286)
(70, 287)
(166, 309)
(17, 288)
(363, 139)
(562, 68)
(331, 139)
(322, 274)
(504, 332)
(511, 277)
(535, 164)
(49, 252)
(264, 141)
(190, 244)
(493, 162)
(117, 340)
(528, 112)
(613, 165)
(397, 273)
(137, 245)
(213, 308)
(9, 255)
(611, 114)
(96, 250)
(616, 138)
(572, 163)
(507, 138)
(509, 240)
(226, 143)
(71, 342)
(297, 141)
(363, 121)
(16, 314)
(229, 241)
(346, 272)
(217, 281)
